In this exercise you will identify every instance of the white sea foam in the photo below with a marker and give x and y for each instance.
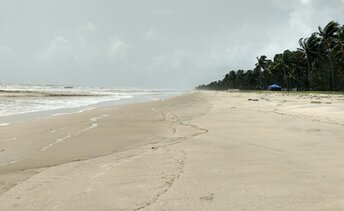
(8, 139)
(19, 99)
(58, 140)
(94, 119)
(94, 125)
(67, 113)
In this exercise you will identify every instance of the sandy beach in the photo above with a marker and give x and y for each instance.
(202, 151)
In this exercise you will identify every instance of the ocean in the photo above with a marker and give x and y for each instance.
(18, 102)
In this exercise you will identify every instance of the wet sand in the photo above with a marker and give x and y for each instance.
(203, 151)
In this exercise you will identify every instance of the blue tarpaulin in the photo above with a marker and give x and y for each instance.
(275, 86)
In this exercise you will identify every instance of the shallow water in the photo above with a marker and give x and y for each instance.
(27, 101)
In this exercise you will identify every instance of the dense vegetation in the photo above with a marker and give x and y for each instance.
(318, 64)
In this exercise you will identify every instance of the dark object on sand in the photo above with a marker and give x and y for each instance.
(250, 99)
(275, 87)
(316, 102)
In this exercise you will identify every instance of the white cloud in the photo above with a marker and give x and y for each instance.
(282, 4)
(304, 18)
(6, 52)
(88, 27)
(116, 48)
(170, 62)
(165, 11)
(58, 49)
(88, 46)
(152, 34)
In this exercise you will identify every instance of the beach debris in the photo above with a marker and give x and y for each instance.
(253, 99)
(207, 198)
(328, 102)
(316, 102)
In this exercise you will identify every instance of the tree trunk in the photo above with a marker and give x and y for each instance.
(308, 82)
(332, 73)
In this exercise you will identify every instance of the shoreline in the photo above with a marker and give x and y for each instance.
(27, 116)
(90, 115)
(202, 151)
(56, 133)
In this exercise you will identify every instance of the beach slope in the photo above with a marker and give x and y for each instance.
(202, 151)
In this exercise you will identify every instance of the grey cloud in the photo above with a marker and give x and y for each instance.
(155, 44)
(6, 52)
(58, 49)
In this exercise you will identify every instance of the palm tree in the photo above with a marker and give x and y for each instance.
(339, 49)
(340, 39)
(327, 35)
(286, 62)
(262, 62)
(249, 79)
(261, 71)
(239, 79)
(232, 77)
(310, 48)
(301, 69)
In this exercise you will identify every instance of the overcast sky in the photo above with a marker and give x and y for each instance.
(174, 44)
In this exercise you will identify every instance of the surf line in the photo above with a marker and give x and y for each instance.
(9, 139)
(69, 135)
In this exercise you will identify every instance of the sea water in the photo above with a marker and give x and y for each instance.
(27, 101)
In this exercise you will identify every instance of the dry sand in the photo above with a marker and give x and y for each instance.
(203, 151)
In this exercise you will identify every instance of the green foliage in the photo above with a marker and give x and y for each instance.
(317, 65)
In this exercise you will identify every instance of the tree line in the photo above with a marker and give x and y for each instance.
(318, 64)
